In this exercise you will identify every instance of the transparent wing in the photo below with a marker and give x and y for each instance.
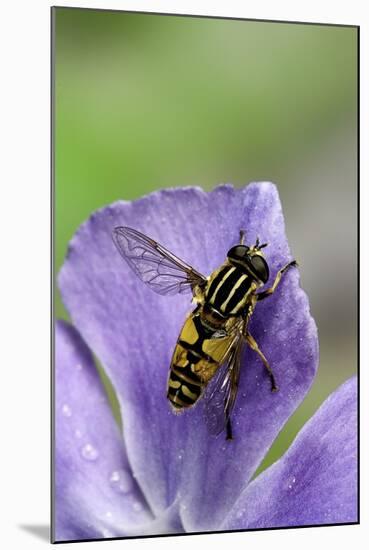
(221, 393)
(161, 270)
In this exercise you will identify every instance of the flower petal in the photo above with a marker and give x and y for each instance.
(133, 331)
(95, 493)
(315, 482)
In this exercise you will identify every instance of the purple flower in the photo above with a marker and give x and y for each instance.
(165, 473)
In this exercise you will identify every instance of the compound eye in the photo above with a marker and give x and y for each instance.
(260, 267)
(238, 252)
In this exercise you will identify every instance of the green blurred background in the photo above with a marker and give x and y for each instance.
(148, 101)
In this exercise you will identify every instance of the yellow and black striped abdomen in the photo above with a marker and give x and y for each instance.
(228, 290)
(195, 360)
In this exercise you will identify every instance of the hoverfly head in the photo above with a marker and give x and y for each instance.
(251, 259)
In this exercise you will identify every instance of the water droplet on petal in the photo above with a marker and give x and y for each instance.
(78, 433)
(121, 481)
(137, 506)
(79, 366)
(108, 514)
(106, 533)
(66, 410)
(89, 452)
(291, 482)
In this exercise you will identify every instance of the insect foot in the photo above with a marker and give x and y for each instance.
(294, 263)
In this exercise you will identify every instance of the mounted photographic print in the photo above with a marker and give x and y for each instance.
(205, 274)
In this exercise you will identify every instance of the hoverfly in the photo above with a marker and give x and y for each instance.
(210, 343)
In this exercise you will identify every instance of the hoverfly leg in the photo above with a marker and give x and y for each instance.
(229, 429)
(277, 280)
(253, 345)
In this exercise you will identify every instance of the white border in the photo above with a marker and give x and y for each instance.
(25, 353)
